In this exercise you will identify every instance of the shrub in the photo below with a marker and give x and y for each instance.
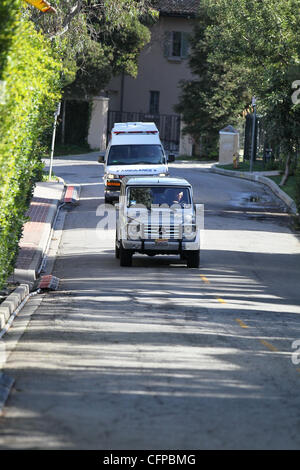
(32, 76)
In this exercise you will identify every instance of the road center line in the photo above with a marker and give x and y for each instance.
(269, 345)
(241, 323)
(204, 279)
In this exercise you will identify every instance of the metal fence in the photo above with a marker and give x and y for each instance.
(167, 124)
(264, 147)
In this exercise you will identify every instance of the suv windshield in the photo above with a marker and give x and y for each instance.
(148, 196)
(135, 154)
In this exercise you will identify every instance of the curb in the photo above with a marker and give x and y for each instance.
(12, 302)
(30, 275)
(288, 201)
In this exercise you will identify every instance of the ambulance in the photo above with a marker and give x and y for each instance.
(134, 148)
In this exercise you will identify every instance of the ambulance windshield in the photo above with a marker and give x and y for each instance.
(136, 155)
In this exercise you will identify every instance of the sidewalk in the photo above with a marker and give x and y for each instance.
(33, 246)
(36, 233)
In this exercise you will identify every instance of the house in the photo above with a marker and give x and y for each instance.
(163, 63)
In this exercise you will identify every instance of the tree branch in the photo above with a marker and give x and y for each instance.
(75, 10)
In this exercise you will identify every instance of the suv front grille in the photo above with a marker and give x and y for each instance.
(156, 231)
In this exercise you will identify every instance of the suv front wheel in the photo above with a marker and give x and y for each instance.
(117, 250)
(125, 256)
(192, 258)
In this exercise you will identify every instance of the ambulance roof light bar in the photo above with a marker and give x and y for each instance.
(134, 128)
(134, 132)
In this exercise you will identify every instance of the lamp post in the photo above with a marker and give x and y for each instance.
(253, 133)
(56, 114)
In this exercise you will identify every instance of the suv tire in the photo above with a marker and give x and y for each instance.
(125, 256)
(192, 258)
(117, 250)
(107, 200)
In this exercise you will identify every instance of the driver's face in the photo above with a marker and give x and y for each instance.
(180, 196)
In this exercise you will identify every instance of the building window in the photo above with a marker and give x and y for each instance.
(176, 45)
(154, 102)
(176, 48)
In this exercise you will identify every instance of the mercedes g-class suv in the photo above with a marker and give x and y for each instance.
(157, 215)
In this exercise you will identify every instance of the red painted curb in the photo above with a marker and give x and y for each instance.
(49, 282)
(69, 194)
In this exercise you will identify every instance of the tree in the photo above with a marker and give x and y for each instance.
(263, 37)
(257, 44)
(96, 40)
(218, 93)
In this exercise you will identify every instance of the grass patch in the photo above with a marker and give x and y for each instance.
(45, 179)
(258, 165)
(290, 186)
(71, 149)
(196, 158)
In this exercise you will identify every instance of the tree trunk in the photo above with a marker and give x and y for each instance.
(287, 170)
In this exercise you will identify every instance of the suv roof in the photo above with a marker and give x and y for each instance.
(154, 180)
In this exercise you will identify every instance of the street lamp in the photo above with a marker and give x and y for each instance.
(253, 133)
(56, 114)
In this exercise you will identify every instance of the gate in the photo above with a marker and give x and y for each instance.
(262, 143)
(248, 137)
(167, 124)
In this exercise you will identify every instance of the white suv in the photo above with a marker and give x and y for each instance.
(157, 215)
(134, 149)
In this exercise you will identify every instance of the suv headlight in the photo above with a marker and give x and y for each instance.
(189, 230)
(133, 231)
(111, 176)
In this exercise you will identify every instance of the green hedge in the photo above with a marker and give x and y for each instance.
(32, 77)
(8, 14)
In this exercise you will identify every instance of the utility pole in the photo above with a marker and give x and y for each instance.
(56, 114)
(253, 133)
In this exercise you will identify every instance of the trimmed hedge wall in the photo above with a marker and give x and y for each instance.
(32, 76)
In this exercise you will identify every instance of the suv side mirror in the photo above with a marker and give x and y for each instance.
(101, 159)
(171, 157)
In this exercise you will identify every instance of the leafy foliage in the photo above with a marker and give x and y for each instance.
(240, 49)
(96, 39)
(32, 76)
(8, 13)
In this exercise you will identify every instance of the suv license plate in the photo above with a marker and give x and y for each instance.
(161, 241)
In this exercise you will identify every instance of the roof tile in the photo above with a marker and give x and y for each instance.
(178, 7)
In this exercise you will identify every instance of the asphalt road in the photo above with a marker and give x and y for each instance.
(158, 356)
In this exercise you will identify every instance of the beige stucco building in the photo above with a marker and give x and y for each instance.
(162, 65)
